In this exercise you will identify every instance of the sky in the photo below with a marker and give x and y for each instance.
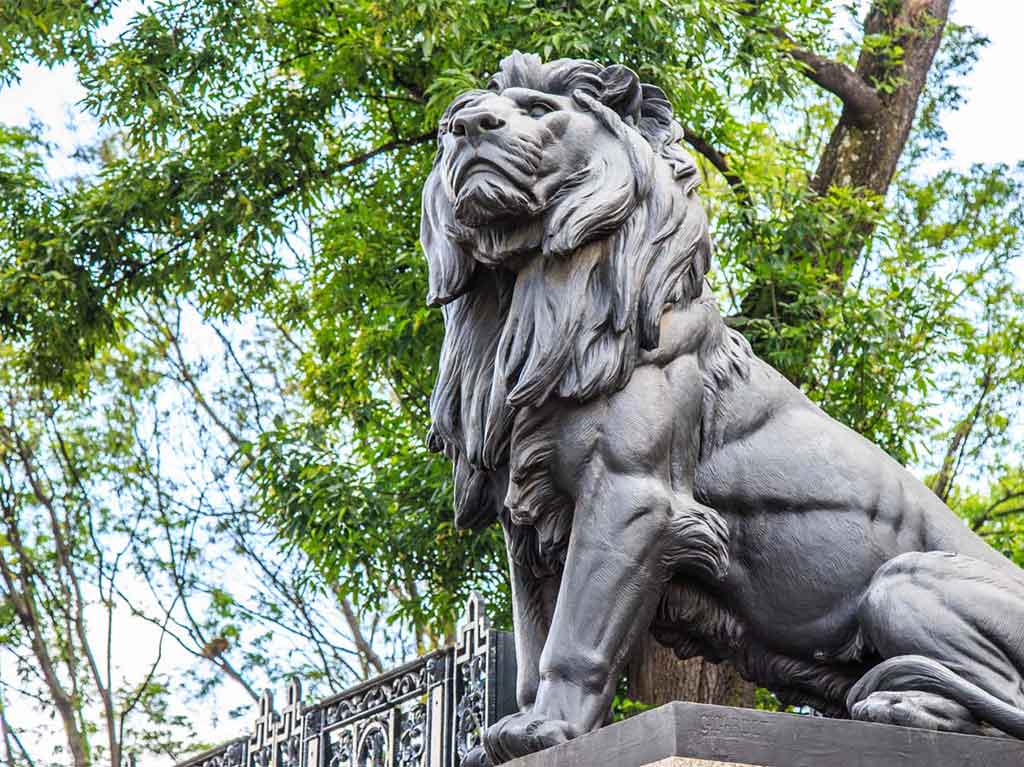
(987, 128)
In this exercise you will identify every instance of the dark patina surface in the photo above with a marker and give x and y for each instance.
(650, 473)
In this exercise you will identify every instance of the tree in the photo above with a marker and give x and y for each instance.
(266, 160)
(62, 562)
(134, 575)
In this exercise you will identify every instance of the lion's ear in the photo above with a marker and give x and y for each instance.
(450, 265)
(596, 201)
(622, 92)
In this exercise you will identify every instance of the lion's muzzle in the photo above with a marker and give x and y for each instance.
(475, 122)
(490, 162)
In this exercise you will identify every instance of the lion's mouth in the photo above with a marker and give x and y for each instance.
(486, 196)
(515, 170)
(486, 188)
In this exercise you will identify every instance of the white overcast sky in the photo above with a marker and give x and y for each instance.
(987, 128)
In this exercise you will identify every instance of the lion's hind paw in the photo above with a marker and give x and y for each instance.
(918, 709)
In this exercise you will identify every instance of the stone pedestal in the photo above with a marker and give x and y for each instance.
(693, 735)
(680, 761)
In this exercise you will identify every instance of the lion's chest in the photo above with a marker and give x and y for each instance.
(563, 448)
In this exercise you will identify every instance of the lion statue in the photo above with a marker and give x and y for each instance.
(650, 472)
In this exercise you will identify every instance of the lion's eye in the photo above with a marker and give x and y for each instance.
(538, 109)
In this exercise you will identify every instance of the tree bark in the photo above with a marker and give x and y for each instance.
(865, 157)
(863, 149)
(656, 677)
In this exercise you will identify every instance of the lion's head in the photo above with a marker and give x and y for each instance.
(560, 221)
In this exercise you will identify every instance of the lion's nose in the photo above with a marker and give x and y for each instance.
(475, 122)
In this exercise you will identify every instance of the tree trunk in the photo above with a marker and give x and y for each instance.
(656, 676)
(862, 154)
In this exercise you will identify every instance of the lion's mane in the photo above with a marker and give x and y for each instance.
(622, 242)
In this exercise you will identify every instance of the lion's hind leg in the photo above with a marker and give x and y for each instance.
(949, 629)
(915, 691)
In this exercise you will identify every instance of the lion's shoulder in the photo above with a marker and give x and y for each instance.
(683, 330)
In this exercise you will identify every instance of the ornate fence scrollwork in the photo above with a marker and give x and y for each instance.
(427, 713)
(233, 754)
(481, 657)
(277, 738)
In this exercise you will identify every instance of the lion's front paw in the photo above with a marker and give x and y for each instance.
(525, 733)
(476, 758)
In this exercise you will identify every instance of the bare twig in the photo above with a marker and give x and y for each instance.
(955, 452)
(366, 652)
(9, 735)
(188, 380)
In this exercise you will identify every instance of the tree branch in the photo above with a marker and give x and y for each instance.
(719, 160)
(363, 157)
(862, 102)
(203, 228)
(954, 453)
(368, 655)
(991, 513)
(21, 593)
(9, 735)
(185, 376)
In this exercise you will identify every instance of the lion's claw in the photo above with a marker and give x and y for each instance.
(476, 758)
(524, 733)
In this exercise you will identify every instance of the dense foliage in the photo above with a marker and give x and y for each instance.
(269, 159)
(263, 161)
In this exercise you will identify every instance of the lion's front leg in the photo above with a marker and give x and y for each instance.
(620, 557)
(533, 605)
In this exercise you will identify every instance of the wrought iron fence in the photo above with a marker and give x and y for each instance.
(428, 713)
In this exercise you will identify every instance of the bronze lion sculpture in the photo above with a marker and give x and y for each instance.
(650, 472)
